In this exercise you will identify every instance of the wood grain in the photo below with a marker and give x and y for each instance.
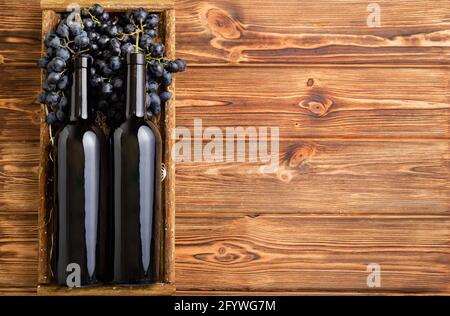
(363, 116)
(324, 177)
(20, 34)
(18, 177)
(229, 32)
(320, 102)
(290, 253)
(18, 250)
(156, 5)
(157, 289)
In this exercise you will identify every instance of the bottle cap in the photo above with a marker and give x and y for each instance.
(82, 62)
(136, 59)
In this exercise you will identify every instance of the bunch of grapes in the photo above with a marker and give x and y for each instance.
(106, 39)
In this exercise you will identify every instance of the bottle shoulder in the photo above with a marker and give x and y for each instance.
(76, 131)
(132, 126)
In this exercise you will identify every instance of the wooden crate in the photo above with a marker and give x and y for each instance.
(51, 10)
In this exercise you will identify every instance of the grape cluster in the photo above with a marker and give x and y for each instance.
(106, 39)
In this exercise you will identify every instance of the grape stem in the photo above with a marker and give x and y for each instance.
(94, 18)
(70, 49)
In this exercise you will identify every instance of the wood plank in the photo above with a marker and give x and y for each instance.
(319, 102)
(22, 82)
(291, 253)
(419, 36)
(18, 249)
(156, 289)
(19, 163)
(19, 111)
(18, 291)
(19, 119)
(21, 34)
(348, 177)
(19, 78)
(228, 32)
(60, 5)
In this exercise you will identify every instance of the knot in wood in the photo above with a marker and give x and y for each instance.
(317, 104)
(228, 253)
(300, 155)
(222, 24)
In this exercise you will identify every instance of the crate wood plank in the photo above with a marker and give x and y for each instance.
(169, 182)
(49, 20)
(325, 102)
(348, 177)
(246, 32)
(62, 5)
(290, 253)
(157, 289)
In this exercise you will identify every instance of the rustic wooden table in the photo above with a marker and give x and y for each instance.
(363, 114)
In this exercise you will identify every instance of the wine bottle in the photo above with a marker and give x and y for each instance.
(80, 200)
(136, 149)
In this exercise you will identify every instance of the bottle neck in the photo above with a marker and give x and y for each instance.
(79, 97)
(135, 105)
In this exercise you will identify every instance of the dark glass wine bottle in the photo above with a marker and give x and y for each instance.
(136, 149)
(80, 200)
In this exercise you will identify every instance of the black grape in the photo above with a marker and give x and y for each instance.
(157, 50)
(75, 28)
(128, 48)
(52, 40)
(53, 77)
(81, 40)
(181, 64)
(140, 15)
(103, 41)
(165, 96)
(43, 61)
(51, 118)
(63, 83)
(112, 30)
(96, 81)
(152, 21)
(63, 30)
(117, 83)
(63, 53)
(52, 99)
(107, 89)
(97, 10)
(115, 63)
(57, 64)
(152, 85)
(93, 36)
(166, 78)
(107, 37)
(62, 104)
(104, 16)
(88, 23)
